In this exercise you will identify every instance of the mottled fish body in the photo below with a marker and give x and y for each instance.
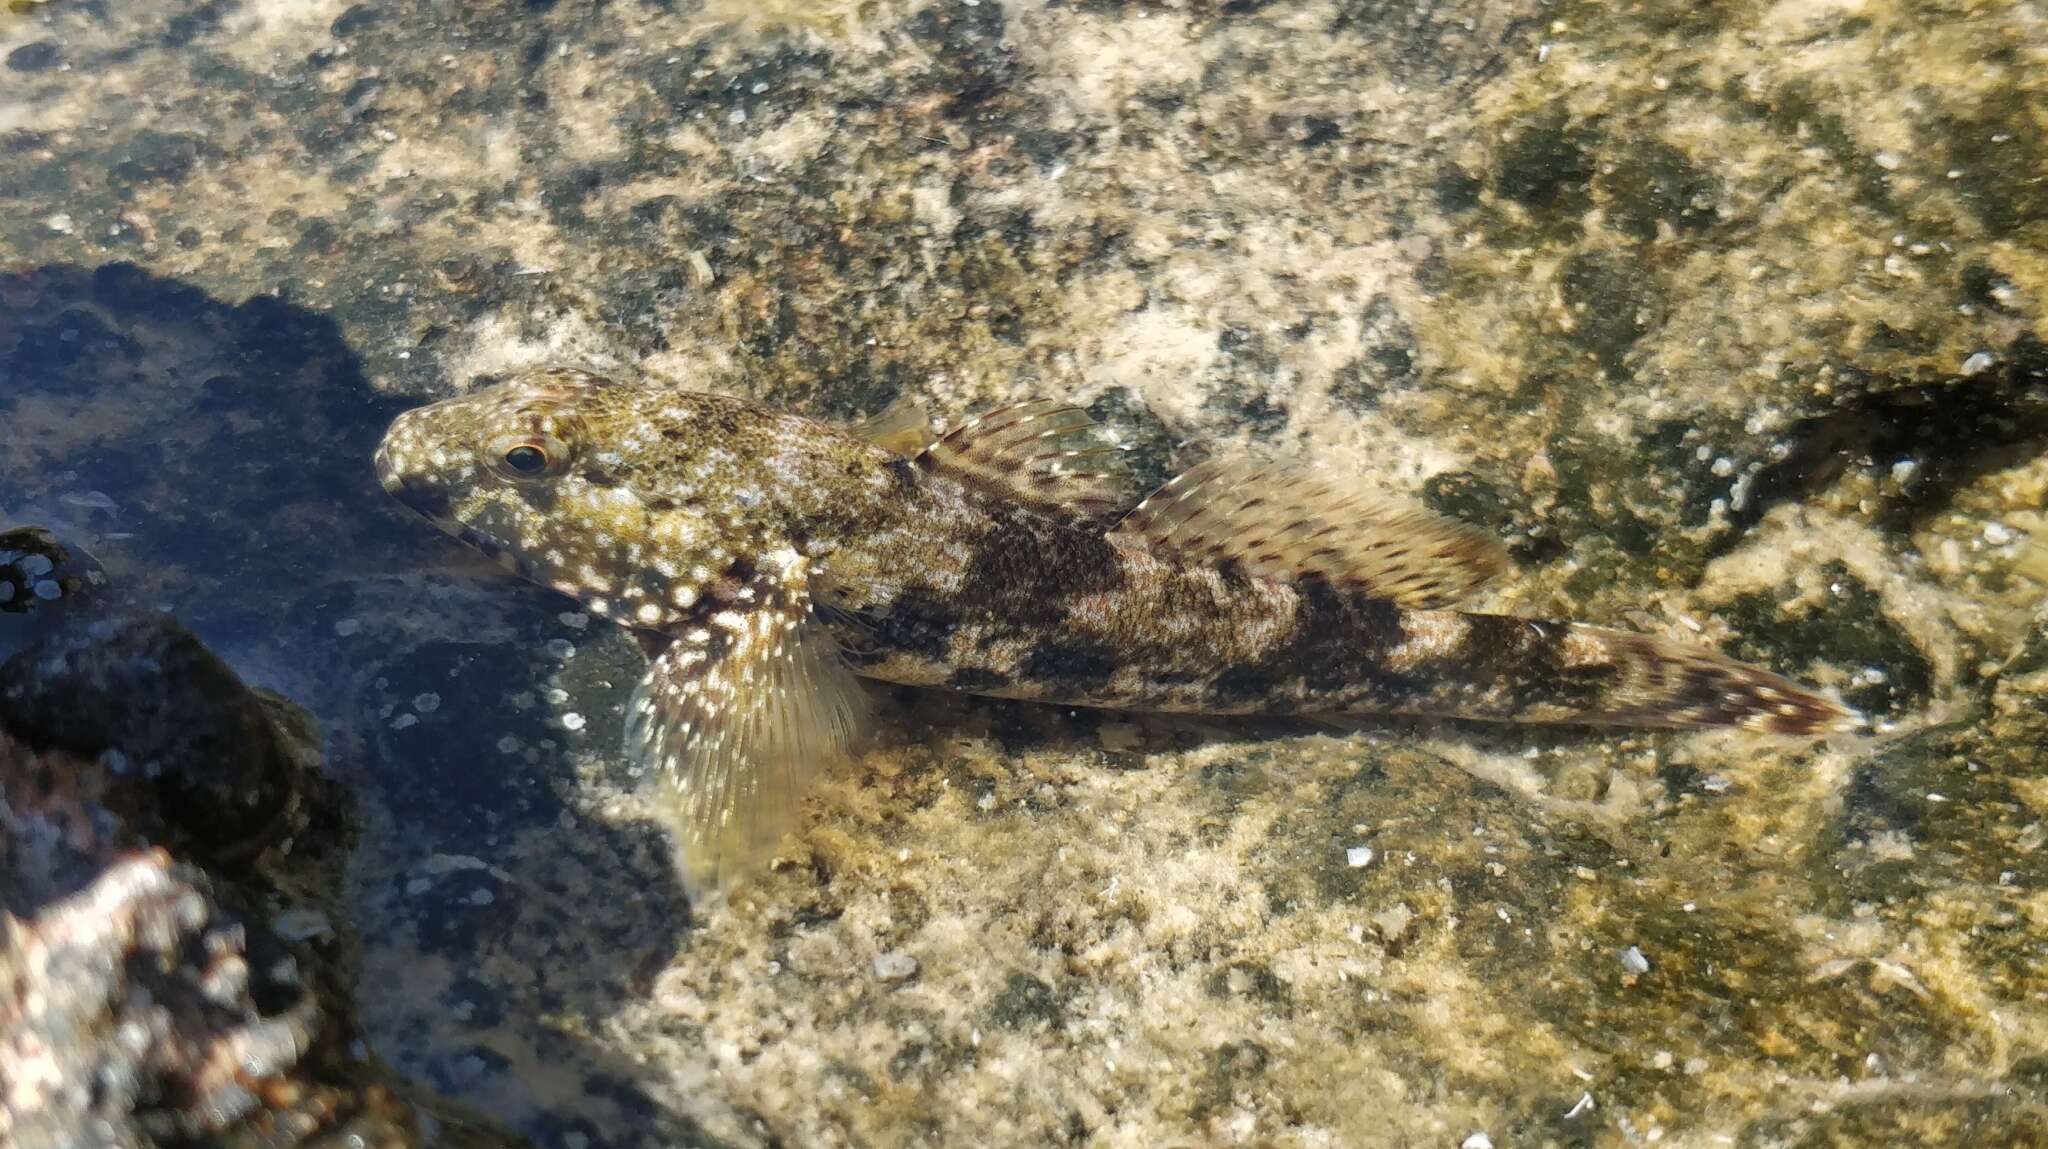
(768, 561)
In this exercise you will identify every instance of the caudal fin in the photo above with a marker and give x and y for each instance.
(1650, 681)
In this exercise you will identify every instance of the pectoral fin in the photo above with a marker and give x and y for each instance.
(735, 719)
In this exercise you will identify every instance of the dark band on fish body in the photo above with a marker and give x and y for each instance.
(978, 678)
(1077, 664)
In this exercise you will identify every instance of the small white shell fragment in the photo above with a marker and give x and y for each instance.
(895, 966)
(572, 721)
(1358, 857)
(1633, 961)
(1977, 363)
(1477, 1140)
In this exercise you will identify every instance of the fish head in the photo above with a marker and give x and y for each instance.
(620, 496)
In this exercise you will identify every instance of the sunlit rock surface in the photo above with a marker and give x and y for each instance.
(1729, 318)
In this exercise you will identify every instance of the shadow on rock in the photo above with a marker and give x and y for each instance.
(214, 459)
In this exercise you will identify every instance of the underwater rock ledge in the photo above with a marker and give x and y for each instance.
(174, 962)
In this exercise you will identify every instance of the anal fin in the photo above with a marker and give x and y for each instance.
(1043, 454)
(1283, 522)
(735, 719)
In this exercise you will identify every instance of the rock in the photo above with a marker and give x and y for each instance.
(42, 578)
(155, 814)
(36, 56)
(1731, 319)
(224, 778)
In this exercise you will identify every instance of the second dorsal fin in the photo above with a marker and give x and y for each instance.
(1281, 522)
(1043, 453)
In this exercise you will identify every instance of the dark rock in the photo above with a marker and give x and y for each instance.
(174, 963)
(40, 56)
(223, 777)
(41, 575)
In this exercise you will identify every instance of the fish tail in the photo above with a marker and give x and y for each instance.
(1504, 668)
(1658, 681)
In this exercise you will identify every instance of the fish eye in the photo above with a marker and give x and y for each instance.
(527, 458)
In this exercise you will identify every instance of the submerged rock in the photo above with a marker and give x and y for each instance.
(166, 837)
(41, 579)
(1729, 318)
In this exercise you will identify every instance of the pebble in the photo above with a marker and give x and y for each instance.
(572, 721)
(1633, 961)
(895, 966)
(1478, 1140)
(1358, 857)
(348, 626)
(35, 56)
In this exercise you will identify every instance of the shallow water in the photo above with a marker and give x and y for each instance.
(1731, 322)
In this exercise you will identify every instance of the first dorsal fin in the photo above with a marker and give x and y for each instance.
(1044, 454)
(1281, 522)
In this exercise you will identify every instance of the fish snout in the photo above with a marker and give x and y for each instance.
(422, 494)
(402, 467)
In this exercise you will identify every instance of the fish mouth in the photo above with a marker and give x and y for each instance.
(429, 499)
(387, 474)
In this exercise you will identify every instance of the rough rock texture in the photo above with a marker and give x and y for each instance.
(170, 967)
(1729, 317)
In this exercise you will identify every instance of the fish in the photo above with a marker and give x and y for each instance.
(768, 563)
